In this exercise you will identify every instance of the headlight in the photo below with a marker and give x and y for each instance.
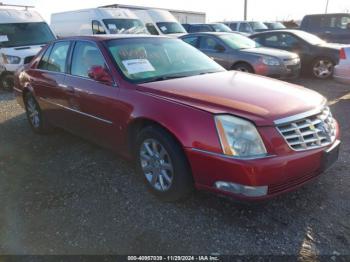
(9, 59)
(270, 61)
(239, 137)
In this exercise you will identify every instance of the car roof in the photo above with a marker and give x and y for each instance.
(212, 33)
(275, 31)
(100, 38)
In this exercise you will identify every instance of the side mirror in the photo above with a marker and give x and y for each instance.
(219, 48)
(100, 74)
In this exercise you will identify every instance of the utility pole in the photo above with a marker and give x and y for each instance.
(245, 9)
(326, 6)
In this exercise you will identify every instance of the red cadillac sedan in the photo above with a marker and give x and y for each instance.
(186, 121)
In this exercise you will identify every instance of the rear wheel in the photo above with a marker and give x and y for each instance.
(162, 163)
(322, 68)
(243, 67)
(36, 119)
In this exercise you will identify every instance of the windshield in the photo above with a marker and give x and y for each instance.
(310, 38)
(125, 26)
(276, 25)
(258, 26)
(25, 34)
(153, 59)
(221, 28)
(237, 41)
(171, 27)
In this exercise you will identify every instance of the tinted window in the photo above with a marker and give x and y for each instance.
(233, 26)
(245, 27)
(57, 58)
(152, 29)
(192, 40)
(208, 43)
(270, 40)
(45, 59)
(200, 28)
(85, 56)
(97, 28)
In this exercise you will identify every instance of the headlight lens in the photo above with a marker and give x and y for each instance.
(239, 137)
(270, 61)
(9, 59)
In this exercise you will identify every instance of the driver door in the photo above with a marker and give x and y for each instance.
(213, 48)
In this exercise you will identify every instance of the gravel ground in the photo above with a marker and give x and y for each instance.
(62, 195)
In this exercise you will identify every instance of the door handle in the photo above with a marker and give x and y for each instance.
(68, 89)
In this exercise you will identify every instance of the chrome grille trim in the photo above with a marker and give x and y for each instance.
(308, 130)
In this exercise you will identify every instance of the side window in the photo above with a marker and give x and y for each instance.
(233, 26)
(245, 27)
(208, 43)
(271, 40)
(152, 29)
(97, 28)
(192, 40)
(288, 40)
(45, 59)
(58, 57)
(86, 56)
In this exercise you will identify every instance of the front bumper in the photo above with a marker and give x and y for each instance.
(280, 174)
(280, 72)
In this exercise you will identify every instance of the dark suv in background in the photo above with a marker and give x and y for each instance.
(333, 28)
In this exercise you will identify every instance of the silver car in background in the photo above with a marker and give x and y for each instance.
(342, 70)
(234, 51)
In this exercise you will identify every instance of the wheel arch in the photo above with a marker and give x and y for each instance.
(242, 62)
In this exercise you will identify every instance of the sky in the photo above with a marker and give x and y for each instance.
(217, 10)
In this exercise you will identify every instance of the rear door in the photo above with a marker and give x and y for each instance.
(48, 82)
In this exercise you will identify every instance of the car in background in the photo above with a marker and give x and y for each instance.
(333, 28)
(342, 70)
(23, 32)
(212, 27)
(317, 56)
(96, 21)
(250, 27)
(234, 51)
(274, 25)
(233, 133)
(160, 22)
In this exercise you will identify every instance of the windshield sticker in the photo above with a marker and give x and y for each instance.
(3, 38)
(163, 28)
(135, 66)
(112, 26)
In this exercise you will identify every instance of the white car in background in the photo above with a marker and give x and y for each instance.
(22, 35)
(160, 22)
(342, 70)
(96, 21)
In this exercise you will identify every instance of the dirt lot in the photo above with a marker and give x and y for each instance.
(62, 195)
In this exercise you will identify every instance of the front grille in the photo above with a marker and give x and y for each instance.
(291, 183)
(312, 132)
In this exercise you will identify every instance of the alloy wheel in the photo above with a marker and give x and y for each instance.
(323, 68)
(156, 165)
(33, 112)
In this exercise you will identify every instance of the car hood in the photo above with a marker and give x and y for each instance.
(259, 99)
(270, 52)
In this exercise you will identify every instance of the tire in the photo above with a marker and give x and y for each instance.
(7, 82)
(36, 118)
(165, 169)
(243, 67)
(322, 68)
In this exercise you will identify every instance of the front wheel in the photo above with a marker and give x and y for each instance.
(322, 68)
(162, 163)
(36, 119)
(243, 67)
